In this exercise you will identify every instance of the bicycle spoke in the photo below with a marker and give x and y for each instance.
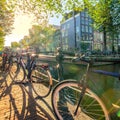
(40, 79)
(65, 98)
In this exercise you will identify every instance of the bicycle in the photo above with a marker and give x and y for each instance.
(72, 99)
(6, 62)
(37, 74)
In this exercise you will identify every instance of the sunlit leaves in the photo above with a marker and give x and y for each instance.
(1, 38)
(99, 11)
(35, 7)
(15, 44)
(48, 6)
(39, 37)
(6, 20)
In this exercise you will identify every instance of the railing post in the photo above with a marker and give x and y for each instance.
(59, 59)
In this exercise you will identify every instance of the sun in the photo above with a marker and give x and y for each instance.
(22, 24)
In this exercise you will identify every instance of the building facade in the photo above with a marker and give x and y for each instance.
(77, 32)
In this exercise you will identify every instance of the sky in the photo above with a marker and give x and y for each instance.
(21, 26)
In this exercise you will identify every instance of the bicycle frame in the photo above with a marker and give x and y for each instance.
(6, 60)
(73, 99)
(84, 83)
(23, 64)
(30, 67)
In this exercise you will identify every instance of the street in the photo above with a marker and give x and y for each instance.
(17, 102)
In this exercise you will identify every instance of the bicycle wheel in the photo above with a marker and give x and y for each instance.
(6, 68)
(17, 72)
(0, 64)
(65, 97)
(41, 81)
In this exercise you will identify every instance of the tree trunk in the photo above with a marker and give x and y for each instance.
(113, 48)
(104, 39)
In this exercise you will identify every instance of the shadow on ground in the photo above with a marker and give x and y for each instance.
(17, 101)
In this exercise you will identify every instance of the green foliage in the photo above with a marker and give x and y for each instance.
(15, 44)
(6, 20)
(105, 14)
(24, 42)
(1, 43)
(100, 10)
(115, 12)
(6, 17)
(101, 13)
(1, 39)
(48, 6)
(39, 37)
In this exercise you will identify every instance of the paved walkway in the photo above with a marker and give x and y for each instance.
(17, 102)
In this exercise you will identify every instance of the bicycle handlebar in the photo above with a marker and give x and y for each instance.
(81, 58)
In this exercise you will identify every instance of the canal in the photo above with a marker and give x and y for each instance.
(106, 87)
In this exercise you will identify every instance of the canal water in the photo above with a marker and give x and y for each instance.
(106, 87)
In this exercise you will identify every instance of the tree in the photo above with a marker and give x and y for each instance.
(15, 44)
(24, 42)
(42, 9)
(56, 39)
(6, 20)
(39, 37)
(100, 13)
(115, 12)
(1, 39)
(99, 10)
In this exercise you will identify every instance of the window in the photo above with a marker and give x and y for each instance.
(65, 47)
(86, 28)
(63, 33)
(77, 37)
(66, 32)
(83, 28)
(86, 37)
(90, 29)
(82, 14)
(66, 40)
(83, 36)
(68, 26)
(86, 14)
(77, 29)
(82, 20)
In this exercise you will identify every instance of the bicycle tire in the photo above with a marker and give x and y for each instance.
(41, 81)
(0, 64)
(17, 72)
(64, 100)
(4, 66)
